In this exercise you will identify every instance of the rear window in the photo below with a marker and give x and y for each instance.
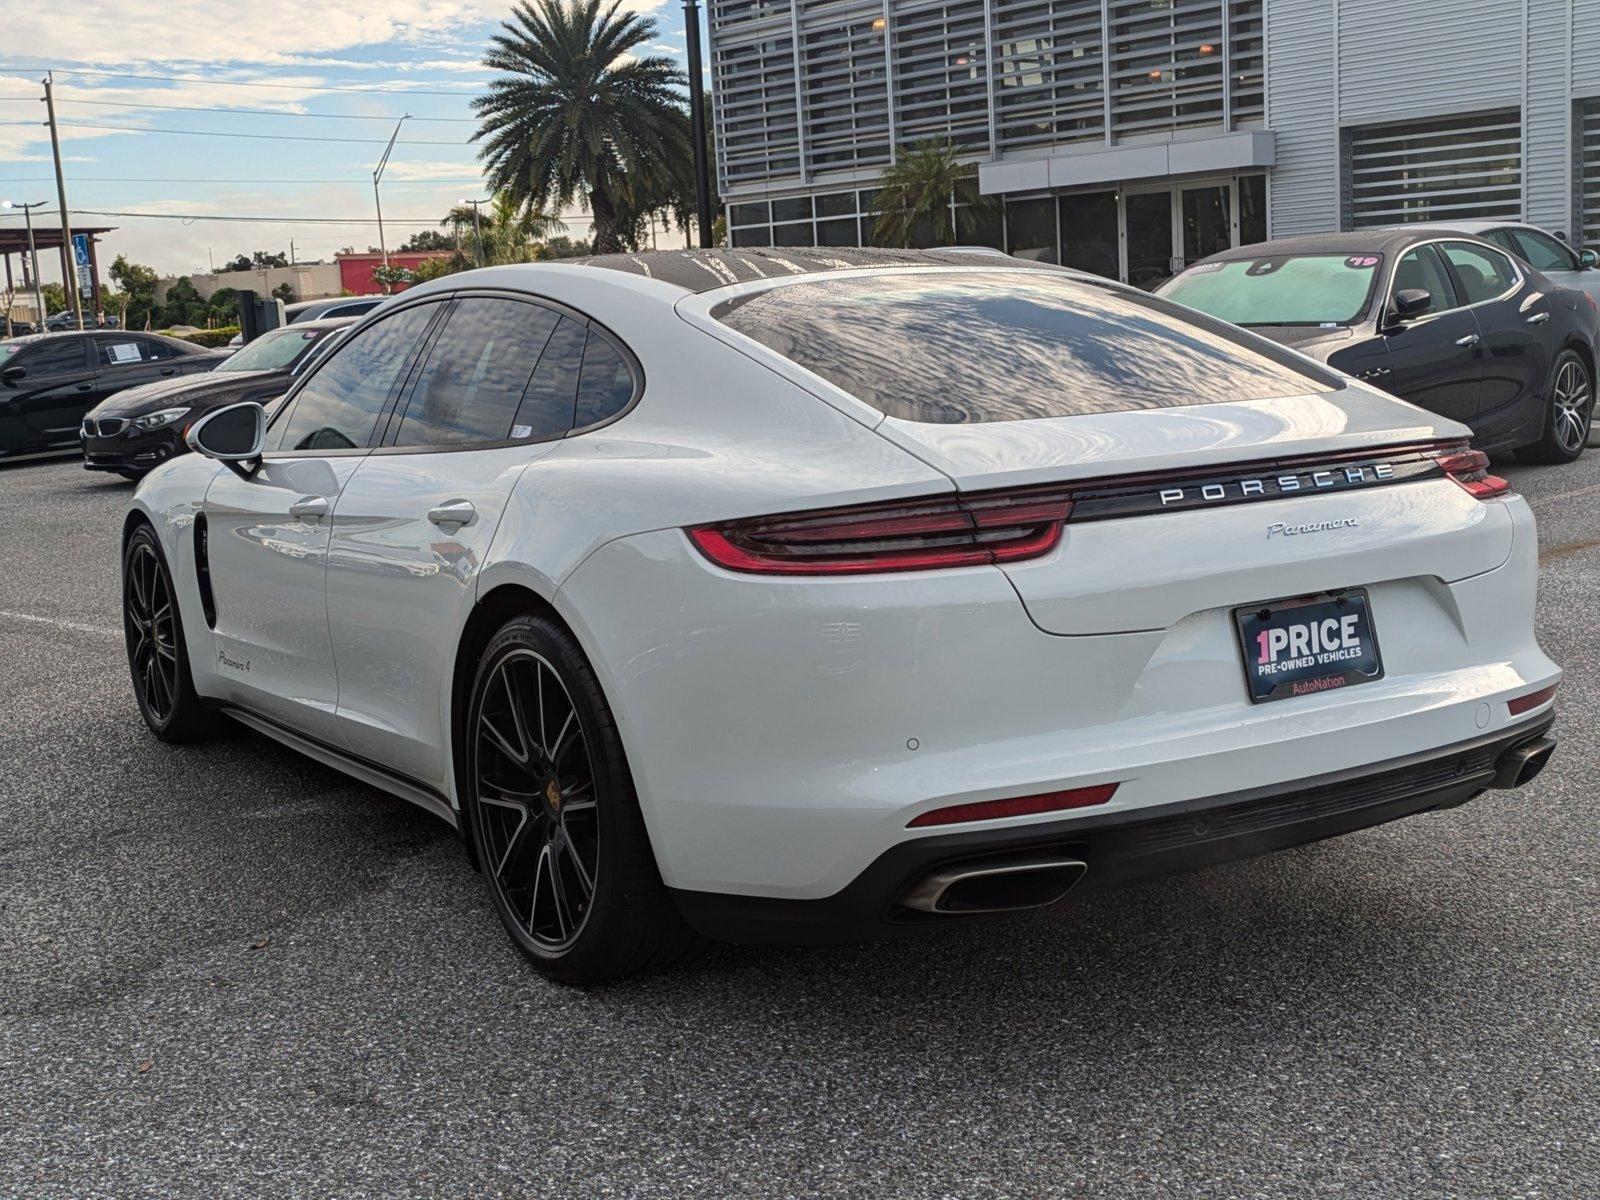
(1010, 345)
(1280, 289)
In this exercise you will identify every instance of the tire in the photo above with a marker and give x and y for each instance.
(1569, 412)
(555, 819)
(158, 655)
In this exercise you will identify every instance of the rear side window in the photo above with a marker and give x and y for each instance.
(606, 386)
(476, 373)
(1484, 274)
(1542, 252)
(1007, 345)
(546, 408)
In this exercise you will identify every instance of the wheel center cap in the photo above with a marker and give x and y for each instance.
(552, 796)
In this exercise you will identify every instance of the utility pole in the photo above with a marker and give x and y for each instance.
(71, 284)
(33, 253)
(377, 177)
(697, 119)
(477, 232)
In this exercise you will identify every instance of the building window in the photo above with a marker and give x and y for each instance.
(844, 76)
(1252, 209)
(940, 81)
(1089, 237)
(1049, 60)
(830, 219)
(1031, 230)
(1166, 65)
(1447, 169)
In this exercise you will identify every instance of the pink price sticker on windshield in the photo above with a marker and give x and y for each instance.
(1359, 262)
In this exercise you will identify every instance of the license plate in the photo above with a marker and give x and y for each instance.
(1308, 646)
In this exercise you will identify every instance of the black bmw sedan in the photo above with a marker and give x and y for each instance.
(1448, 322)
(143, 427)
(48, 381)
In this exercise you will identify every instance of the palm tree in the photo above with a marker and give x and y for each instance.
(919, 187)
(576, 115)
(502, 233)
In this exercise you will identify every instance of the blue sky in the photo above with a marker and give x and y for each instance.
(361, 62)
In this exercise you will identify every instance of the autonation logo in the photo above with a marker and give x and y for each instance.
(1278, 527)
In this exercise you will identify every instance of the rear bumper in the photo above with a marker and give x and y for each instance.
(1125, 846)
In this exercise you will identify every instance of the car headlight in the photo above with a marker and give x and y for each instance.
(156, 420)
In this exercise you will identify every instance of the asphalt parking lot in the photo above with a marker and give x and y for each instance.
(227, 971)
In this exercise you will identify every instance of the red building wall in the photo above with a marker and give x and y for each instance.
(355, 270)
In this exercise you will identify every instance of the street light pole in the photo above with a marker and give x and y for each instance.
(377, 177)
(33, 252)
(697, 120)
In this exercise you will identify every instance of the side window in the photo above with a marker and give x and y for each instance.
(1542, 252)
(476, 374)
(339, 404)
(54, 356)
(606, 386)
(123, 352)
(1501, 237)
(1484, 274)
(1422, 268)
(546, 408)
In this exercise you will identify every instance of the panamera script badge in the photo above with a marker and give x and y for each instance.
(1288, 530)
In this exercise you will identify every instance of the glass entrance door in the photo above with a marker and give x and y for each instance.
(1207, 222)
(1147, 217)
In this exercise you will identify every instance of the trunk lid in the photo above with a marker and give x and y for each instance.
(1182, 510)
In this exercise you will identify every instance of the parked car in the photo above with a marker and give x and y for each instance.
(1541, 249)
(136, 429)
(730, 593)
(50, 380)
(315, 310)
(1450, 322)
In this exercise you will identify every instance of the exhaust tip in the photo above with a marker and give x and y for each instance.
(995, 885)
(1523, 763)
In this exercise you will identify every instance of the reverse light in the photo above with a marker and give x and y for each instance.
(156, 420)
(916, 535)
(1469, 470)
(1521, 704)
(1018, 806)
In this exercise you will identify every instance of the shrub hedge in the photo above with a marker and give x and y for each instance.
(207, 337)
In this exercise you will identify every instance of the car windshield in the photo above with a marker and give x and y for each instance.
(1292, 289)
(274, 351)
(952, 347)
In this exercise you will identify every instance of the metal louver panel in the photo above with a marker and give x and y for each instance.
(1049, 72)
(1452, 168)
(1587, 147)
(1166, 65)
(940, 88)
(844, 70)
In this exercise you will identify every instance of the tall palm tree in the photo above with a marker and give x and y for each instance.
(576, 114)
(919, 187)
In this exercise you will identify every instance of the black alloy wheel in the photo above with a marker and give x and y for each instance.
(1568, 413)
(158, 658)
(554, 817)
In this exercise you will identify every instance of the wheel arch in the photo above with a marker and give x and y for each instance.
(492, 610)
(1583, 350)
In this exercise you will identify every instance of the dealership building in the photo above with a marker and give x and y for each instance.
(1129, 137)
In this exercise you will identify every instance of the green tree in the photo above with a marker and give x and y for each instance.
(242, 263)
(429, 239)
(261, 259)
(183, 305)
(915, 193)
(577, 113)
(499, 232)
(137, 283)
(284, 292)
(223, 307)
(55, 300)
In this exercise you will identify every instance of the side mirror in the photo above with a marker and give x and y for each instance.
(1588, 258)
(234, 435)
(13, 373)
(1412, 302)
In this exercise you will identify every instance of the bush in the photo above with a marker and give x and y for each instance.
(220, 336)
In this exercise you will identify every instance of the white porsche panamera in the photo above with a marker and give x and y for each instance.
(817, 595)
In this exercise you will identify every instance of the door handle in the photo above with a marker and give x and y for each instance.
(1538, 318)
(169, 370)
(1472, 339)
(456, 512)
(309, 508)
(84, 387)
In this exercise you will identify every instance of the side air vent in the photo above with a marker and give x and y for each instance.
(202, 568)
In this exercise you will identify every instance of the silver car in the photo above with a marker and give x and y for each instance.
(1539, 248)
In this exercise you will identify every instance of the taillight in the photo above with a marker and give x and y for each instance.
(1017, 806)
(1521, 704)
(1470, 471)
(917, 535)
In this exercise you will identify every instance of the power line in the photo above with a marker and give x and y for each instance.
(254, 112)
(297, 87)
(365, 182)
(105, 212)
(223, 133)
